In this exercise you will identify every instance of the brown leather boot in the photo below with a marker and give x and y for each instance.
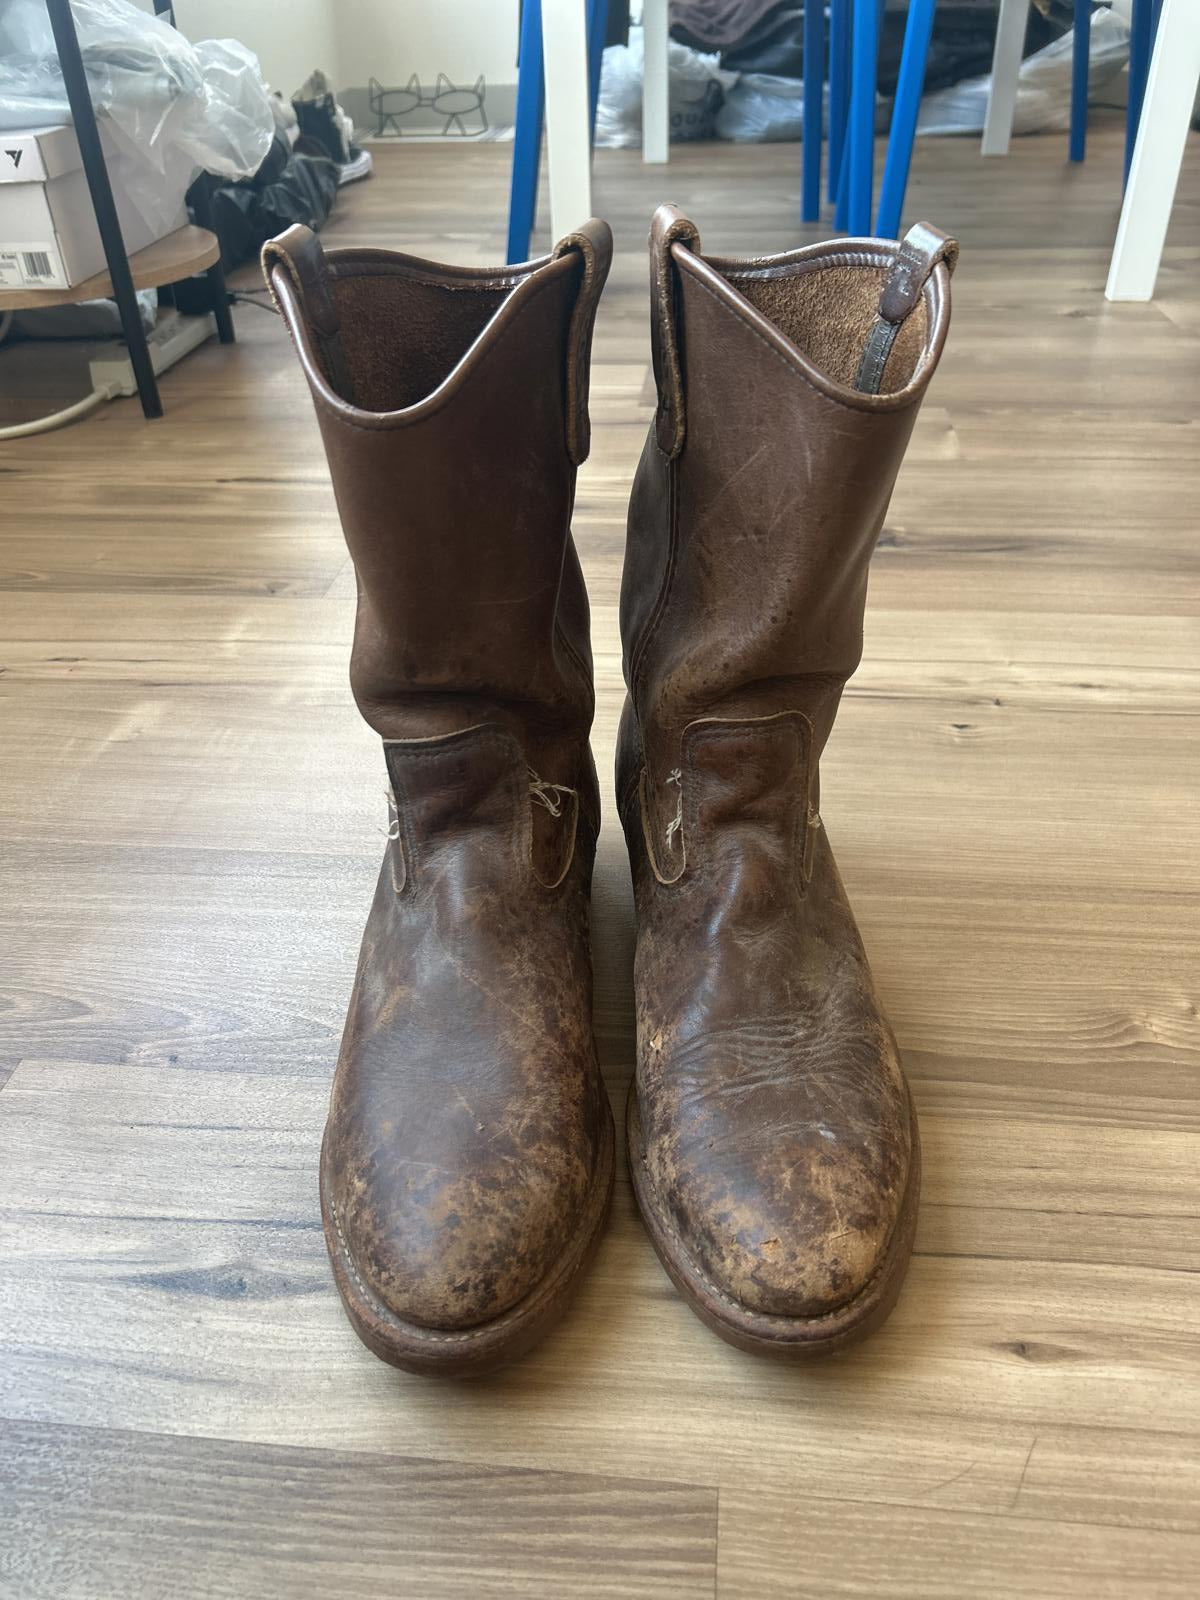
(468, 1158)
(772, 1140)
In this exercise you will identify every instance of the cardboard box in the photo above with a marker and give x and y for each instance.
(48, 233)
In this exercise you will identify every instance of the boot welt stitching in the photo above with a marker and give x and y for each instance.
(778, 1316)
(664, 1222)
(411, 1329)
(377, 1305)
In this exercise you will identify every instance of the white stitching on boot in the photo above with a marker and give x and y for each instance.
(675, 776)
(546, 793)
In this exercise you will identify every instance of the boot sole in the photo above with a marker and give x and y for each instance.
(786, 1338)
(471, 1352)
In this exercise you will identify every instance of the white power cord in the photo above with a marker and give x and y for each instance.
(58, 419)
(111, 372)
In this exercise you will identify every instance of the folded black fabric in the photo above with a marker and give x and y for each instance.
(720, 24)
(301, 189)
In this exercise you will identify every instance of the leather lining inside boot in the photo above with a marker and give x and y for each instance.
(403, 335)
(828, 312)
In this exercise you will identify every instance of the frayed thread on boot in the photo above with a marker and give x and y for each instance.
(547, 794)
(675, 776)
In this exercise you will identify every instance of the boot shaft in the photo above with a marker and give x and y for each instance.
(452, 404)
(788, 387)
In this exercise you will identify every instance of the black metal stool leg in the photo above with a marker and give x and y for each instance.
(84, 118)
(201, 200)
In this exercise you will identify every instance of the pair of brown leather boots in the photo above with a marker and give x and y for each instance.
(467, 1166)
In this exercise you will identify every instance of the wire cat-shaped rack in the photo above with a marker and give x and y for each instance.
(446, 99)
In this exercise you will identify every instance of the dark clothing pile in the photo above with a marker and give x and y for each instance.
(767, 36)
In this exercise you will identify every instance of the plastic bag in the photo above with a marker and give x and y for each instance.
(696, 86)
(1043, 87)
(761, 108)
(173, 107)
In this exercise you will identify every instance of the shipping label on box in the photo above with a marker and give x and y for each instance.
(32, 266)
(48, 233)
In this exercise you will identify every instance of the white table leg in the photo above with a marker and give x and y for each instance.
(656, 112)
(1006, 67)
(1158, 154)
(564, 42)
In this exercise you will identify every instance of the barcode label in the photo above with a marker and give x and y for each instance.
(31, 264)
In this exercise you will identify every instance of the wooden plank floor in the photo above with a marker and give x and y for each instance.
(190, 829)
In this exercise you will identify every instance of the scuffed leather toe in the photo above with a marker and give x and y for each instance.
(452, 1249)
(801, 1247)
(782, 1150)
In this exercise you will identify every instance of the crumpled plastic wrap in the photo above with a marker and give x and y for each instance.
(696, 86)
(171, 108)
(1043, 87)
(760, 106)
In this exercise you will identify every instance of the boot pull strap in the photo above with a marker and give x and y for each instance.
(922, 247)
(593, 242)
(298, 254)
(668, 228)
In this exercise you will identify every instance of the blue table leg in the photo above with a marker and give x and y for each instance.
(597, 27)
(839, 88)
(909, 88)
(1140, 38)
(814, 89)
(863, 68)
(527, 136)
(1080, 50)
(842, 207)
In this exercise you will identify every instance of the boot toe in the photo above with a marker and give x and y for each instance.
(780, 1267)
(452, 1250)
(801, 1241)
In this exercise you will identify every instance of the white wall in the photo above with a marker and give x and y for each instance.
(289, 37)
(391, 39)
(354, 40)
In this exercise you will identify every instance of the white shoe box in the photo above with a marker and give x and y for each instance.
(48, 233)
